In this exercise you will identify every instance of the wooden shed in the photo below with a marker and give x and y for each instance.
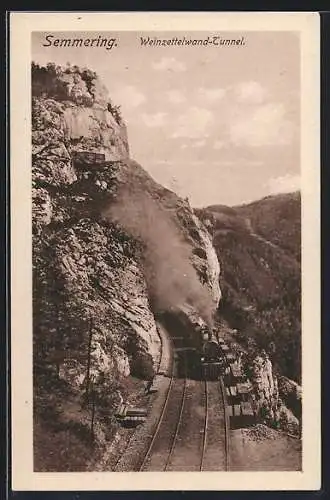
(88, 159)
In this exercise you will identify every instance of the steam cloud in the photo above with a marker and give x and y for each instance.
(171, 278)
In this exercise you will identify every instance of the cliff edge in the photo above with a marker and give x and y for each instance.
(111, 247)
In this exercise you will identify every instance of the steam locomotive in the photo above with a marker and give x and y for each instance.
(207, 359)
(213, 362)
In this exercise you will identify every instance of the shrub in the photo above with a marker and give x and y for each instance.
(141, 366)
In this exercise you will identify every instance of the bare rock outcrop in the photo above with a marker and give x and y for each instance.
(270, 403)
(110, 248)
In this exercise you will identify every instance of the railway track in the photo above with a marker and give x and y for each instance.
(226, 423)
(169, 458)
(168, 425)
(215, 452)
(192, 432)
(147, 455)
(165, 364)
(205, 426)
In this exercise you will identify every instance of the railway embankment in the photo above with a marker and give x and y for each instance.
(134, 442)
(261, 447)
(264, 449)
(186, 425)
(217, 429)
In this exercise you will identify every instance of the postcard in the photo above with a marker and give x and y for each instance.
(165, 251)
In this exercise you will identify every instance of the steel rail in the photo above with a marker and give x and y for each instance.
(205, 427)
(226, 426)
(161, 416)
(180, 416)
(160, 419)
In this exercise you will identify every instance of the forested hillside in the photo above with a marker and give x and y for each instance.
(258, 247)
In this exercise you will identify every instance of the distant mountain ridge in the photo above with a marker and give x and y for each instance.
(278, 219)
(258, 247)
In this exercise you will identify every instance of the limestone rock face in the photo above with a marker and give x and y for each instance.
(263, 378)
(271, 401)
(99, 276)
(212, 262)
(42, 206)
(95, 129)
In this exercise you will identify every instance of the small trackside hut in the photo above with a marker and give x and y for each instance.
(88, 158)
(131, 416)
(89, 161)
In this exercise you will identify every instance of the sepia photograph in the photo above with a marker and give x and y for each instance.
(166, 248)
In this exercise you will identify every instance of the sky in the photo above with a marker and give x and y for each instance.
(219, 125)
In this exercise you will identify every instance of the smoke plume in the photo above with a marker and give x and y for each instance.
(171, 278)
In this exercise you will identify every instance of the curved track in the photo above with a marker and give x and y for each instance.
(192, 432)
(205, 426)
(143, 465)
(216, 448)
(169, 458)
(162, 444)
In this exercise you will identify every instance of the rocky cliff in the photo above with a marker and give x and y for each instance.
(111, 247)
(269, 401)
